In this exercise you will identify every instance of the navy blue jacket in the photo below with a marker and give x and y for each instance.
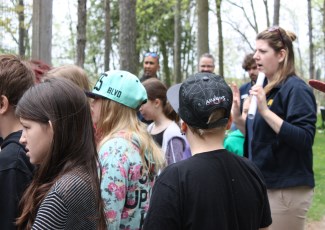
(244, 92)
(16, 172)
(286, 159)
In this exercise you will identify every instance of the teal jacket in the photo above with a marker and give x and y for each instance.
(234, 142)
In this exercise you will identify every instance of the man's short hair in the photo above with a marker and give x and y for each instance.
(207, 55)
(16, 76)
(248, 61)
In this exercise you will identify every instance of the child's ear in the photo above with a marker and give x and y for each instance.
(183, 127)
(229, 122)
(157, 102)
(51, 127)
(4, 104)
(50, 123)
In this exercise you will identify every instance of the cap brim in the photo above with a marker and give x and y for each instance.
(173, 96)
(92, 95)
(319, 85)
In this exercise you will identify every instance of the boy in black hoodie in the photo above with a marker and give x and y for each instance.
(15, 169)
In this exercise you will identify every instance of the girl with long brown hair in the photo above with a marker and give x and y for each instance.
(59, 139)
(165, 128)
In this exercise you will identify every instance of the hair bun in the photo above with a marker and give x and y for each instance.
(291, 35)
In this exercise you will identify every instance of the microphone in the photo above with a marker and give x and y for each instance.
(253, 105)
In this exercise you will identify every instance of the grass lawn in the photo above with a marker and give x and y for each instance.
(317, 209)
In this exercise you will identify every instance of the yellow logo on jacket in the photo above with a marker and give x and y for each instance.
(269, 102)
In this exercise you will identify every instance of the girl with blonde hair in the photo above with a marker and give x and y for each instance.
(73, 73)
(129, 157)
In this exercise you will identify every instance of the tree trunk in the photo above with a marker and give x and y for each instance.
(202, 27)
(81, 32)
(166, 78)
(220, 37)
(177, 43)
(21, 32)
(300, 68)
(276, 15)
(188, 55)
(254, 16)
(107, 34)
(267, 13)
(127, 36)
(311, 45)
(42, 30)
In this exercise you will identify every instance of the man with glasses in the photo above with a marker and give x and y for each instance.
(150, 66)
(206, 63)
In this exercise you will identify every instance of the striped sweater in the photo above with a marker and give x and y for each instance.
(70, 204)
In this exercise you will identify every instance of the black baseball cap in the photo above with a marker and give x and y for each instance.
(198, 97)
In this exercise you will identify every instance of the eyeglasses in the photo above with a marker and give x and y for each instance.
(151, 54)
(206, 66)
(277, 29)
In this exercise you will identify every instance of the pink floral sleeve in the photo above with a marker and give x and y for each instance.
(125, 190)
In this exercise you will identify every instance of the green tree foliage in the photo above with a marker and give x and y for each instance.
(95, 34)
(319, 37)
(156, 30)
(155, 20)
(95, 48)
(9, 25)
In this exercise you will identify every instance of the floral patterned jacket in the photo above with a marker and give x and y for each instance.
(126, 192)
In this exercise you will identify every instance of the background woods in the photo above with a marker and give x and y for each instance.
(110, 34)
